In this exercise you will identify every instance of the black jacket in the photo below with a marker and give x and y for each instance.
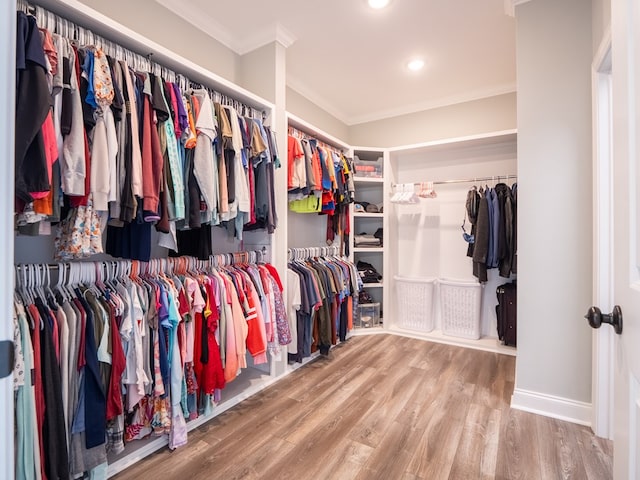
(481, 245)
(33, 103)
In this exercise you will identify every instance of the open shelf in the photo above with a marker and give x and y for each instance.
(373, 285)
(368, 249)
(369, 215)
(357, 179)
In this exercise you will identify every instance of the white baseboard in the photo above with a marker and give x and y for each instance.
(551, 406)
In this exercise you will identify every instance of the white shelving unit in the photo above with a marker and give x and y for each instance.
(371, 189)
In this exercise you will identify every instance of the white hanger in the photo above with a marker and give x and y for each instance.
(62, 279)
(24, 291)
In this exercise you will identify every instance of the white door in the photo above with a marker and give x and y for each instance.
(625, 27)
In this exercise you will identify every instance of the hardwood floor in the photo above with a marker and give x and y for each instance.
(386, 407)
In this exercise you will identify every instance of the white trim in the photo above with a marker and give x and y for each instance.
(485, 344)
(294, 83)
(272, 33)
(204, 22)
(602, 339)
(565, 409)
(509, 135)
(7, 178)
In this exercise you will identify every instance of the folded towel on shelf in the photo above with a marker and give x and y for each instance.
(366, 240)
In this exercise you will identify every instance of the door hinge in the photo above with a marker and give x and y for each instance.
(6, 358)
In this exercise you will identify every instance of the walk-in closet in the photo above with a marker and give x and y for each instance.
(149, 295)
(249, 240)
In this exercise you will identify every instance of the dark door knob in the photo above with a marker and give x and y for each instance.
(596, 318)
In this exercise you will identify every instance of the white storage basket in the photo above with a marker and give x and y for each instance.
(460, 304)
(415, 303)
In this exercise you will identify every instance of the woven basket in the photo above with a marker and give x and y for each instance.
(460, 304)
(415, 303)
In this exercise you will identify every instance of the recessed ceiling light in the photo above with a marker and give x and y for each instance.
(377, 4)
(415, 65)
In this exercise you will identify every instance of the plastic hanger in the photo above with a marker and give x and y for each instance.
(47, 286)
(63, 280)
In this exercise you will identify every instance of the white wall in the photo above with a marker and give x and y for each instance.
(306, 230)
(255, 71)
(157, 23)
(554, 212)
(428, 238)
(463, 119)
(303, 108)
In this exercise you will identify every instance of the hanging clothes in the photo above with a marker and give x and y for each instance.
(492, 214)
(320, 180)
(131, 150)
(320, 293)
(124, 358)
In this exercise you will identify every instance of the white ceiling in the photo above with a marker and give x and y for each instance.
(351, 60)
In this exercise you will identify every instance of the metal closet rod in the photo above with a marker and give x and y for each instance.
(467, 180)
(304, 253)
(72, 31)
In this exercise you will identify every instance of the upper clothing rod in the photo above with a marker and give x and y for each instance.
(467, 180)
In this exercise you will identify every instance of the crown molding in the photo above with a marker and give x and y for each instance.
(294, 83)
(272, 33)
(432, 104)
(330, 108)
(203, 22)
(207, 24)
(510, 6)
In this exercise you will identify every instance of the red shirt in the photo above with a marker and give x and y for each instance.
(118, 365)
(37, 381)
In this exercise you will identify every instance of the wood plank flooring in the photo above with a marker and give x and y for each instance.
(386, 407)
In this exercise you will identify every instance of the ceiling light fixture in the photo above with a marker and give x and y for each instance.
(415, 65)
(378, 4)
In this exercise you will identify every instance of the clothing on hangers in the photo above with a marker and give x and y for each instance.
(122, 142)
(321, 292)
(120, 357)
(492, 214)
(320, 180)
